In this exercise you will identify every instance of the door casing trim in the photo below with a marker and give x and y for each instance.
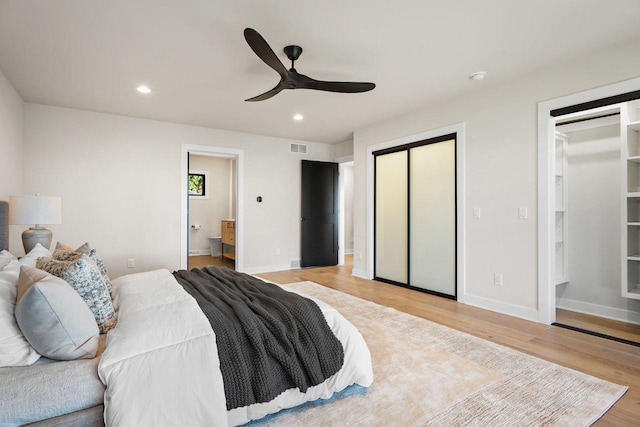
(208, 150)
(546, 128)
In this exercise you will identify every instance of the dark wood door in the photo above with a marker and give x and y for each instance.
(319, 219)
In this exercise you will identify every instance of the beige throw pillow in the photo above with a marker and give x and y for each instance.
(54, 318)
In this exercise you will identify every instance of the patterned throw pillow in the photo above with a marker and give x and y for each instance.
(66, 253)
(84, 277)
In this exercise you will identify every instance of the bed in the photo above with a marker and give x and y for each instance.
(161, 364)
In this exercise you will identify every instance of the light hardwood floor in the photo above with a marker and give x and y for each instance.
(614, 328)
(207, 260)
(606, 359)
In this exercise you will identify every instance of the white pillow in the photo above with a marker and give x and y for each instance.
(5, 257)
(54, 318)
(37, 252)
(14, 348)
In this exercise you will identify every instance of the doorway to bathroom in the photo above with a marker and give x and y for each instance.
(211, 231)
(212, 211)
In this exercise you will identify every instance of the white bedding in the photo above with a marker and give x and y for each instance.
(161, 364)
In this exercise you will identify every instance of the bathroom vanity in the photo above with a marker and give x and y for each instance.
(228, 241)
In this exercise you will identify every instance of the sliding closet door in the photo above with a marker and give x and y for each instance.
(415, 215)
(432, 213)
(391, 217)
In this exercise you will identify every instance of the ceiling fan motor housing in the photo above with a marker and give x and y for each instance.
(293, 52)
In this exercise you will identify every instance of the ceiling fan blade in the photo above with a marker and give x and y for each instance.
(264, 51)
(266, 95)
(343, 87)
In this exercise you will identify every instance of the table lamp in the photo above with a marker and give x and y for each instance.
(36, 210)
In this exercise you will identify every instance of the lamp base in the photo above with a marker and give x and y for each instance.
(35, 235)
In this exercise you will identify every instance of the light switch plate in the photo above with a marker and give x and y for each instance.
(522, 212)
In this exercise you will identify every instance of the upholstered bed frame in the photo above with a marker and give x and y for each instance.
(4, 225)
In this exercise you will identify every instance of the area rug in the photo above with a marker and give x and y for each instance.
(426, 374)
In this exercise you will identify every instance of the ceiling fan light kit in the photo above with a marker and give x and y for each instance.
(291, 79)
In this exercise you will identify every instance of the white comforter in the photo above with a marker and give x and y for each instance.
(161, 363)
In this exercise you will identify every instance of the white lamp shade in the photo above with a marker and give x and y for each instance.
(35, 210)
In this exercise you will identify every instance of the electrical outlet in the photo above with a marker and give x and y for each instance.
(131, 262)
(497, 279)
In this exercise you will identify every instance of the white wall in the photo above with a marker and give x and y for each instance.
(119, 178)
(501, 171)
(209, 211)
(344, 150)
(594, 224)
(11, 136)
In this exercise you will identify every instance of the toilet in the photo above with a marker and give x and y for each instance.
(214, 244)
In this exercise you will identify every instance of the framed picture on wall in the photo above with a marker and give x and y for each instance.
(198, 185)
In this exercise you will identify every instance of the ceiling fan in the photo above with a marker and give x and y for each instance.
(291, 79)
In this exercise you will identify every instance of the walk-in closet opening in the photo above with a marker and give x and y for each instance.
(415, 215)
(596, 222)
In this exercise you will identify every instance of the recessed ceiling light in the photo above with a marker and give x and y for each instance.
(143, 89)
(298, 117)
(478, 75)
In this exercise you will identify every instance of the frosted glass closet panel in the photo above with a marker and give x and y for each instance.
(391, 217)
(433, 217)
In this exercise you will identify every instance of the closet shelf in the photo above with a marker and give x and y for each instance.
(634, 159)
(634, 125)
(561, 237)
(635, 257)
(633, 195)
(635, 224)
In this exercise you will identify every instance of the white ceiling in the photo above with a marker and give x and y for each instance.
(91, 54)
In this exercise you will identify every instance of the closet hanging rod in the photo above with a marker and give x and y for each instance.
(584, 119)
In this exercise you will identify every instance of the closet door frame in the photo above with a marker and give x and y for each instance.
(458, 130)
(547, 111)
(408, 148)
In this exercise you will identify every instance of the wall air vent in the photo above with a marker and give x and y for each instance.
(298, 148)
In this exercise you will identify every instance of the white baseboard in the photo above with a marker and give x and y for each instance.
(599, 310)
(502, 307)
(199, 252)
(267, 268)
(348, 251)
(363, 274)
